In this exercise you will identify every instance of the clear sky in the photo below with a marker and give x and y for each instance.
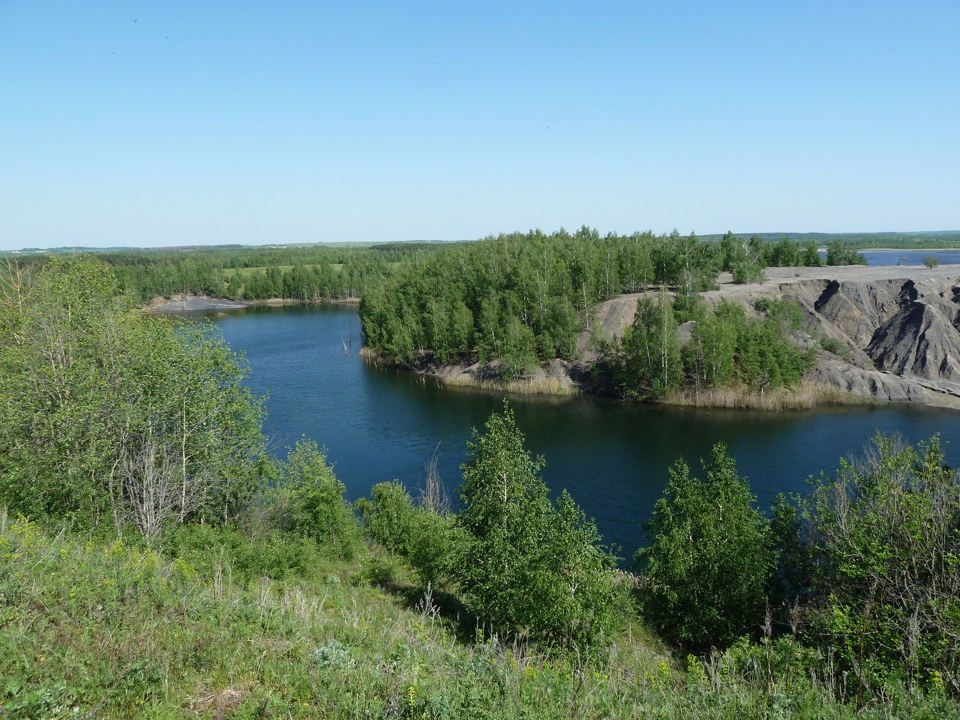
(174, 123)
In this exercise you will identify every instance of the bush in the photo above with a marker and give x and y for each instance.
(882, 545)
(388, 515)
(704, 577)
(242, 559)
(435, 545)
(307, 501)
(431, 541)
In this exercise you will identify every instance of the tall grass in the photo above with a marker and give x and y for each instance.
(804, 397)
(106, 628)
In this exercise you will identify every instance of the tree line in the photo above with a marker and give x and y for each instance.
(313, 273)
(305, 273)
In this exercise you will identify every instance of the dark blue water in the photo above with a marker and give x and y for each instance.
(382, 424)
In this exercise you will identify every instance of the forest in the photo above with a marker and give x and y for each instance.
(159, 559)
(517, 301)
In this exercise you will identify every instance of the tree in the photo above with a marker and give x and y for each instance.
(648, 363)
(526, 565)
(881, 539)
(307, 500)
(706, 570)
(743, 258)
(112, 414)
(711, 350)
(838, 253)
(766, 357)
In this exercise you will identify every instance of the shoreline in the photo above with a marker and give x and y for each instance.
(808, 395)
(200, 303)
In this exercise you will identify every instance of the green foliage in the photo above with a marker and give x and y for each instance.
(648, 363)
(519, 300)
(835, 346)
(304, 273)
(840, 253)
(931, 261)
(881, 543)
(388, 515)
(706, 571)
(710, 356)
(527, 565)
(430, 541)
(743, 258)
(104, 629)
(725, 347)
(688, 305)
(242, 558)
(434, 547)
(307, 500)
(765, 356)
(113, 416)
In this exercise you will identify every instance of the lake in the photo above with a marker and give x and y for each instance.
(381, 424)
(910, 257)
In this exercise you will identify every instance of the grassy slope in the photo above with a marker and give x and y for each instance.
(104, 629)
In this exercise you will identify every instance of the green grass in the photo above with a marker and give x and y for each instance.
(109, 628)
(248, 271)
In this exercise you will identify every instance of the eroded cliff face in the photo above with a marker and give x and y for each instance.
(899, 327)
(901, 333)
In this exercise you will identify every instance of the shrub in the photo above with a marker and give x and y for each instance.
(434, 546)
(882, 544)
(704, 576)
(307, 501)
(388, 515)
(234, 555)
(431, 541)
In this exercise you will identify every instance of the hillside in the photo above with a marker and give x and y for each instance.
(893, 333)
(895, 328)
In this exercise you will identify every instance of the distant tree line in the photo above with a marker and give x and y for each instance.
(305, 273)
(311, 273)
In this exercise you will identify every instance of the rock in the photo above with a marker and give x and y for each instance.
(921, 340)
(872, 384)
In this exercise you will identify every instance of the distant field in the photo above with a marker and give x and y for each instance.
(247, 272)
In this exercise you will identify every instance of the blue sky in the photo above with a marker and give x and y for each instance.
(174, 123)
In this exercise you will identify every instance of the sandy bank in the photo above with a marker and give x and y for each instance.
(193, 303)
(199, 303)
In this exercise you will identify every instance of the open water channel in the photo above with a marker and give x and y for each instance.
(380, 424)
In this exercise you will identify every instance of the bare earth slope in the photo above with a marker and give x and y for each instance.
(899, 325)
